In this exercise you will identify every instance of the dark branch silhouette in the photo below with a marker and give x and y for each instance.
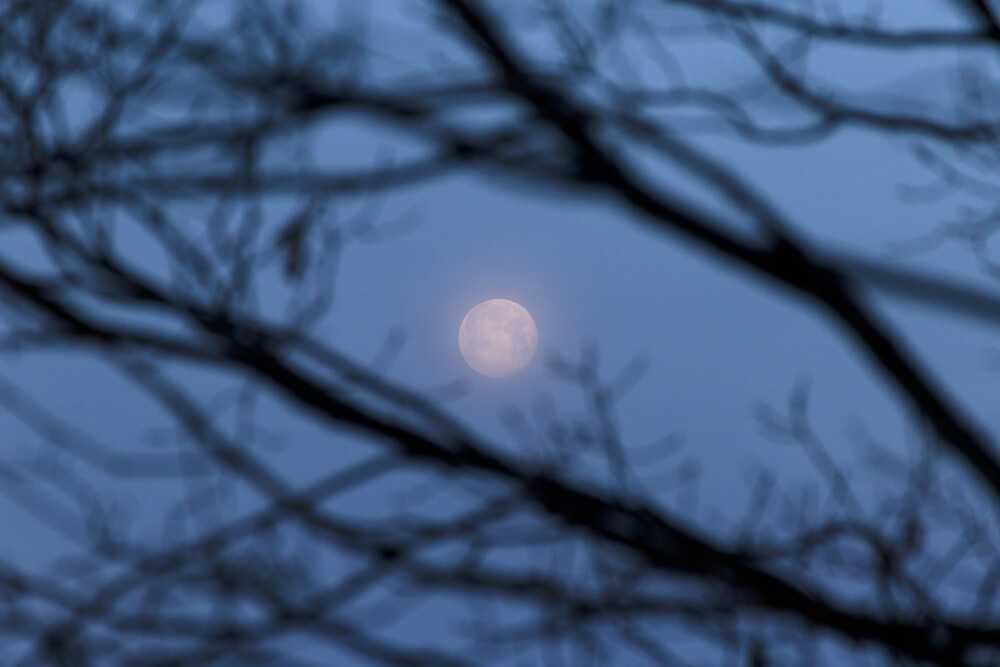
(154, 180)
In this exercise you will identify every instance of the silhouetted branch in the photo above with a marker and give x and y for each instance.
(164, 168)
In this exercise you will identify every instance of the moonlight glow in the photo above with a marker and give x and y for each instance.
(498, 337)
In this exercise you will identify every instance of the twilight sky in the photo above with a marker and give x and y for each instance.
(716, 342)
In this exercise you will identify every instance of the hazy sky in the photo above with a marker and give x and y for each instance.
(719, 342)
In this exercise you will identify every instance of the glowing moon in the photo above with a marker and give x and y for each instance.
(498, 338)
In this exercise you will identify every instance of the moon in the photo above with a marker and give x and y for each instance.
(498, 338)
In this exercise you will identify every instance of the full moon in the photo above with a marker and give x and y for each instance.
(498, 338)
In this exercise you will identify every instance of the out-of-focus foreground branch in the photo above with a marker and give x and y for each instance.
(162, 214)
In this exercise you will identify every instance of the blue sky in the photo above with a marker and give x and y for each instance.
(719, 342)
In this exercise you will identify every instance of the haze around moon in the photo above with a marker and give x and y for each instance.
(498, 338)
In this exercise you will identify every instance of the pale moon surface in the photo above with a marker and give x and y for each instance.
(498, 338)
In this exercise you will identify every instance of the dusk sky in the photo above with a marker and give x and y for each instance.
(706, 348)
